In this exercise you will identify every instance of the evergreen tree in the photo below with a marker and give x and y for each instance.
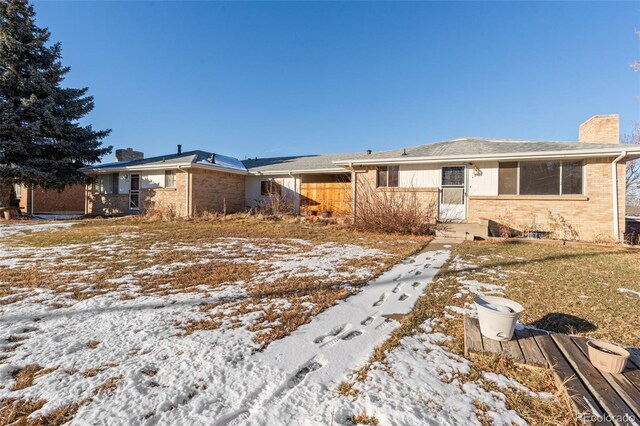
(41, 140)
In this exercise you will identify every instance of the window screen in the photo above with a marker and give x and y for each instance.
(540, 178)
(388, 176)
(572, 177)
(170, 179)
(508, 178)
(453, 176)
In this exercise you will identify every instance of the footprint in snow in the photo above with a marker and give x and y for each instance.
(405, 296)
(333, 333)
(415, 284)
(418, 273)
(238, 418)
(352, 335)
(398, 278)
(397, 288)
(314, 364)
(384, 324)
(368, 320)
(381, 300)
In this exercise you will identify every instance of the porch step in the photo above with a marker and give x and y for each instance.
(462, 230)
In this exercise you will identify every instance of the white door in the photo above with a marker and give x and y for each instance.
(453, 194)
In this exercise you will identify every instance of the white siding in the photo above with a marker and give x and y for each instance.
(252, 188)
(419, 176)
(483, 178)
(151, 180)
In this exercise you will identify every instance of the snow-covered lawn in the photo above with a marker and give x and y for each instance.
(127, 322)
(144, 323)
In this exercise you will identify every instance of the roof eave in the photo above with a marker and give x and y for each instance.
(631, 152)
(171, 166)
(295, 171)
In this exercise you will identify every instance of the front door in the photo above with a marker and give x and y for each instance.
(452, 194)
(134, 193)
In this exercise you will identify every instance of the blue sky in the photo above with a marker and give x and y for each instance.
(281, 78)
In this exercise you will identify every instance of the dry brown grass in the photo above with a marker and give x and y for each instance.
(568, 289)
(362, 418)
(24, 377)
(108, 387)
(16, 411)
(92, 344)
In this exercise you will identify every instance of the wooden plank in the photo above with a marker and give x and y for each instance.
(472, 336)
(532, 353)
(584, 405)
(606, 396)
(491, 346)
(618, 382)
(635, 356)
(512, 349)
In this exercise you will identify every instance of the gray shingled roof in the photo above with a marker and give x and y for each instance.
(456, 147)
(190, 157)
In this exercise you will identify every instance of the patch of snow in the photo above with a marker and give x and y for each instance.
(626, 290)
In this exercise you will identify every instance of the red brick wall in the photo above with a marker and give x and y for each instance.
(69, 200)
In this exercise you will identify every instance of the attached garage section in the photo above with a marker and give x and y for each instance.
(325, 192)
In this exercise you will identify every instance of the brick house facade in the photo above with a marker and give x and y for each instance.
(524, 185)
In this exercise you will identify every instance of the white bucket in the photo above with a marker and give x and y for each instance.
(497, 316)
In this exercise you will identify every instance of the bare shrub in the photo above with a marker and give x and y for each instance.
(159, 211)
(393, 211)
(275, 205)
(561, 229)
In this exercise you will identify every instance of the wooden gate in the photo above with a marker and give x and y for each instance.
(318, 197)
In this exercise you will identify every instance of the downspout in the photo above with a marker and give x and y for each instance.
(354, 182)
(296, 207)
(186, 190)
(616, 209)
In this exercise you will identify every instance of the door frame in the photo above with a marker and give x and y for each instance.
(465, 203)
(134, 191)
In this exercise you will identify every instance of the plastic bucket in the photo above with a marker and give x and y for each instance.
(497, 316)
(607, 357)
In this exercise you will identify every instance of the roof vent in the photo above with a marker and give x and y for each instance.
(179, 149)
(404, 152)
(369, 151)
(212, 159)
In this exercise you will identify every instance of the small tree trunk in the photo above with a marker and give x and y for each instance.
(5, 195)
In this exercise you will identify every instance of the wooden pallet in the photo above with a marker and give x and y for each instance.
(596, 397)
(523, 348)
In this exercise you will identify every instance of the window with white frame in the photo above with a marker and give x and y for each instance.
(169, 178)
(541, 178)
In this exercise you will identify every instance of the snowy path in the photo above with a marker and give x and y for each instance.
(319, 355)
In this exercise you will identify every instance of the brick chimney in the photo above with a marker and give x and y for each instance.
(128, 155)
(600, 129)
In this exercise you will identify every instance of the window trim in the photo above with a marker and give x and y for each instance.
(560, 193)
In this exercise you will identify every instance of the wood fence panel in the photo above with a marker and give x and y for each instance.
(334, 197)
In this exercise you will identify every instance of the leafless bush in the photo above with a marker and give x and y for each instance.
(561, 229)
(392, 211)
(275, 205)
(159, 211)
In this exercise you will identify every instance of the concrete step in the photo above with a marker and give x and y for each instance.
(462, 230)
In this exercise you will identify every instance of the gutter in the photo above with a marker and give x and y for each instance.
(614, 182)
(511, 156)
